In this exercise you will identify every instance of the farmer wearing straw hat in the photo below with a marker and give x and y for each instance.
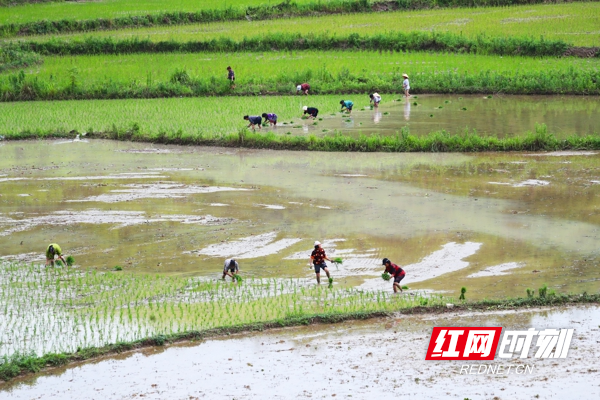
(406, 85)
(230, 268)
(52, 250)
(311, 111)
(303, 88)
(396, 272)
(318, 258)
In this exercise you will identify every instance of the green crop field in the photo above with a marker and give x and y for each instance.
(289, 67)
(206, 116)
(111, 8)
(574, 23)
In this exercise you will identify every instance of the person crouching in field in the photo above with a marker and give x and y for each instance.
(272, 118)
(254, 120)
(347, 105)
(311, 111)
(396, 272)
(303, 88)
(375, 99)
(231, 77)
(52, 250)
(406, 85)
(318, 258)
(230, 268)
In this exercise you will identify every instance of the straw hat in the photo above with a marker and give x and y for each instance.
(305, 108)
(404, 76)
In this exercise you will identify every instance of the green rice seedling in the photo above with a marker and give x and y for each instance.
(405, 287)
(464, 108)
(463, 290)
(431, 115)
(385, 276)
(238, 278)
(338, 260)
(70, 261)
(117, 268)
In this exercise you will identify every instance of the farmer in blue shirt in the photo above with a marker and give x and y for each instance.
(272, 118)
(254, 120)
(347, 104)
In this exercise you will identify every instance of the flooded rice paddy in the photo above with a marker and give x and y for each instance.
(498, 115)
(183, 210)
(376, 359)
(494, 223)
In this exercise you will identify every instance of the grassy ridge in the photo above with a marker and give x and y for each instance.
(574, 23)
(68, 17)
(20, 364)
(392, 41)
(402, 142)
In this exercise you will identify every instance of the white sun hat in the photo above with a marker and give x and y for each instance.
(317, 243)
(305, 108)
(298, 87)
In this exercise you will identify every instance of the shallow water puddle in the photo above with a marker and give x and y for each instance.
(182, 210)
(383, 358)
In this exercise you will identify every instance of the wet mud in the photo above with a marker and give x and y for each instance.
(450, 220)
(383, 358)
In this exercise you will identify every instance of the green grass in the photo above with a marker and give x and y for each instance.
(289, 67)
(112, 9)
(574, 23)
(177, 74)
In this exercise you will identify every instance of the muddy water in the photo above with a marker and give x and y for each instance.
(375, 359)
(495, 223)
(499, 115)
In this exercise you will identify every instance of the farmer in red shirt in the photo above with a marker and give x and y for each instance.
(304, 88)
(396, 272)
(318, 258)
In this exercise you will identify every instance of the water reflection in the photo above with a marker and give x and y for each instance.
(376, 117)
(407, 110)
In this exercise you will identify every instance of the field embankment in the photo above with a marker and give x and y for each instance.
(44, 19)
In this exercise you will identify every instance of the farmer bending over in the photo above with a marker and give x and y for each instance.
(303, 88)
(254, 120)
(375, 99)
(396, 272)
(52, 250)
(272, 118)
(347, 105)
(230, 268)
(311, 111)
(318, 258)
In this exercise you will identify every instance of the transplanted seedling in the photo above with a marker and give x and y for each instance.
(70, 261)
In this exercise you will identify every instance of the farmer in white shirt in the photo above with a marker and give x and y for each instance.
(406, 85)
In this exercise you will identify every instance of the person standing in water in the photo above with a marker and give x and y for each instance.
(396, 272)
(231, 268)
(406, 85)
(318, 258)
(52, 250)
